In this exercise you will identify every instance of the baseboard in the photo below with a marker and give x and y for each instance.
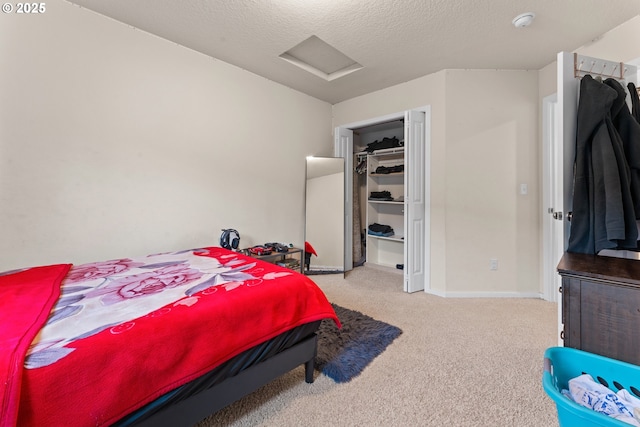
(488, 294)
(325, 267)
(436, 293)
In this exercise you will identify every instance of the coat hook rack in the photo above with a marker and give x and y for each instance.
(618, 69)
(614, 70)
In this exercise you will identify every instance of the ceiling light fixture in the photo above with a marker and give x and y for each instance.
(523, 20)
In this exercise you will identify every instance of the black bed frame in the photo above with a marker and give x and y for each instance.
(199, 406)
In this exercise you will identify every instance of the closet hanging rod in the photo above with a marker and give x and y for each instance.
(583, 65)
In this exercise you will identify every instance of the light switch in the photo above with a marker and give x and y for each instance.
(524, 189)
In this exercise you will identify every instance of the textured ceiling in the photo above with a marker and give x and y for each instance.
(394, 40)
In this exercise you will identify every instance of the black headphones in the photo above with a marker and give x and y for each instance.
(230, 239)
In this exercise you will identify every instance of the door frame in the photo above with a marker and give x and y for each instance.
(343, 147)
(553, 236)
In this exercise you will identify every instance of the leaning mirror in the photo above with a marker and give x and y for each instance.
(324, 222)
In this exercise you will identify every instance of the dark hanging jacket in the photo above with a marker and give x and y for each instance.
(635, 101)
(629, 130)
(603, 215)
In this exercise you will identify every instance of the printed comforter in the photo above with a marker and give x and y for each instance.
(116, 335)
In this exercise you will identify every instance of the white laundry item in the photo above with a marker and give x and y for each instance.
(624, 418)
(631, 401)
(625, 395)
(591, 394)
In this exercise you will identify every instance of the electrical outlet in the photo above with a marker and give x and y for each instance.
(493, 264)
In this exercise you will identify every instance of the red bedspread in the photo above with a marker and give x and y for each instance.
(127, 331)
(26, 298)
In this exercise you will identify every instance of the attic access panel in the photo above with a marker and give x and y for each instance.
(321, 59)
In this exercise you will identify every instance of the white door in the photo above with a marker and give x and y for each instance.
(344, 148)
(553, 244)
(567, 107)
(552, 169)
(415, 226)
(567, 113)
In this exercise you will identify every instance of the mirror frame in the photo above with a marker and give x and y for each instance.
(321, 167)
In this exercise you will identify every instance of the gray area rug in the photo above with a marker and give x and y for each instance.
(344, 353)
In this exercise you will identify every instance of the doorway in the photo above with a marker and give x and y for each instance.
(417, 182)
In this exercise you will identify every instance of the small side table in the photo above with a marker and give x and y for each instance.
(275, 257)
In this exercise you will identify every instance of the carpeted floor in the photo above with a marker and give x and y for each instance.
(458, 362)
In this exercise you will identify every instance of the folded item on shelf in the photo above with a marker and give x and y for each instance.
(376, 229)
(385, 143)
(389, 169)
(375, 233)
(380, 227)
(380, 195)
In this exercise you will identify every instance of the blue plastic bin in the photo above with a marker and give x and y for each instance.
(562, 364)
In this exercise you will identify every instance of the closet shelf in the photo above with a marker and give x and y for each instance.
(386, 174)
(387, 202)
(393, 238)
(381, 152)
(387, 151)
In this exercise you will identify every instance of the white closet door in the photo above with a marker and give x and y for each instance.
(414, 201)
(344, 148)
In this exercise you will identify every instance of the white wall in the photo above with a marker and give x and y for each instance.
(483, 146)
(491, 149)
(621, 44)
(114, 142)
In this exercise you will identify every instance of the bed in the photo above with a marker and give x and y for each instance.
(165, 339)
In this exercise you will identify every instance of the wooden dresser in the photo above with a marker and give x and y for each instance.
(601, 305)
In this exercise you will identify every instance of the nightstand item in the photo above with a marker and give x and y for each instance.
(292, 258)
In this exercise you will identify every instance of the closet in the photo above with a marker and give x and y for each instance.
(382, 194)
(386, 193)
